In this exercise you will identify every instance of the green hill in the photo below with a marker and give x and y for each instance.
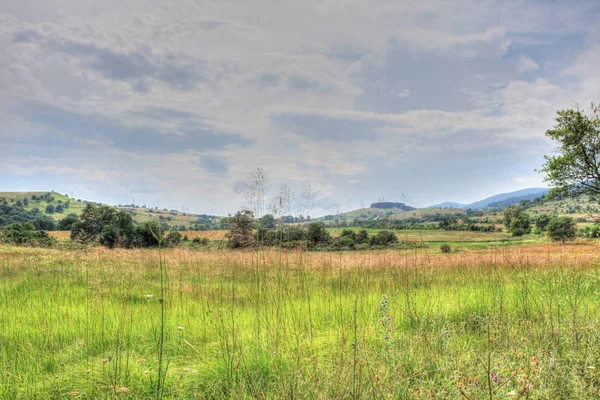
(41, 201)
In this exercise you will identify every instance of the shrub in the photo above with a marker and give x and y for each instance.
(445, 248)
(317, 234)
(362, 236)
(67, 222)
(240, 230)
(562, 229)
(24, 233)
(49, 209)
(384, 238)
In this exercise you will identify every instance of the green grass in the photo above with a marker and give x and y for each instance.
(291, 325)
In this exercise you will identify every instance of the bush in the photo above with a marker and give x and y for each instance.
(67, 222)
(445, 248)
(49, 209)
(362, 237)
(24, 233)
(240, 230)
(317, 234)
(384, 238)
(562, 229)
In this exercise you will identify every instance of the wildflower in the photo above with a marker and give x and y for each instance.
(146, 372)
(149, 296)
(180, 328)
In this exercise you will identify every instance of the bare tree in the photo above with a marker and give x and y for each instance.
(309, 196)
(256, 191)
(283, 203)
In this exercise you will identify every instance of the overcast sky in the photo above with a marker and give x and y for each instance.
(176, 102)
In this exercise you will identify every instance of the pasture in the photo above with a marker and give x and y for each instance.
(511, 322)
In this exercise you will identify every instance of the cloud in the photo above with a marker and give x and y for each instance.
(361, 99)
(322, 127)
(527, 64)
(133, 66)
(214, 164)
(301, 82)
(71, 127)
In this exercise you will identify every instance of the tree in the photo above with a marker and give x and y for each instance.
(309, 195)
(49, 209)
(542, 220)
(576, 168)
(317, 234)
(256, 191)
(240, 230)
(59, 209)
(520, 225)
(67, 222)
(562, 229)
(267, 221)
(517, 221)
(24, 233)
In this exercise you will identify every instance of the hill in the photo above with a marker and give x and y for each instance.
(447, 204)
(140, 214)
(387, 205)
(498, 200)
(485, 203)
(515, 200)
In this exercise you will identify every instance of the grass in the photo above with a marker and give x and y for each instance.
(517, 322)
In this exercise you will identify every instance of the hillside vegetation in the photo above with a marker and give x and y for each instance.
(29, 201)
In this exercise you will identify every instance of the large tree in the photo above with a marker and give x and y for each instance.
(575, 170)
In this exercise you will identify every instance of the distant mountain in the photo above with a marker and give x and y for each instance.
(384, 205)
(447, 204)
(487, 203)
(515, 200)
(497, 201)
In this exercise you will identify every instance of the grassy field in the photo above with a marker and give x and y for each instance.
(516, 322)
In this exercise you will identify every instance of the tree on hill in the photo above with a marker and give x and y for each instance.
(562, 229)
(59, 209)
(576, 168)
(50, 209)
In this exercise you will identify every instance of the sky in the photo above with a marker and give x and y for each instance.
(174, 103)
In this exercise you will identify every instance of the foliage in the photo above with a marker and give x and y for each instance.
(576, 169)
(517, 221)
(317, 234)
(384, 238)
(562, 229)
(542, 220)
(67, 222)
(50, 209)
(445, 248)
(240, 230)
(24, 233)
(114, 228)
(11, 214)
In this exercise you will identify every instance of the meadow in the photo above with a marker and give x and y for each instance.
(511, 322)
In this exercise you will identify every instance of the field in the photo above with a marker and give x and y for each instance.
(512, 322)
